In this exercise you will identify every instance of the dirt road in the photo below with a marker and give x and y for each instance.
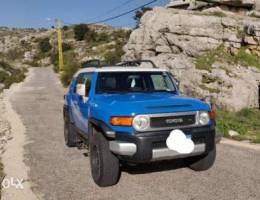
(60, 173)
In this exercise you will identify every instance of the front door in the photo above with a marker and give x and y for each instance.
(81, 103)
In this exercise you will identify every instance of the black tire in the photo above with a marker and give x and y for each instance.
(202, 163)
(70, 136)
(105, 167)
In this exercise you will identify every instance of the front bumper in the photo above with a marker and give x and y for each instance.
(151, 146)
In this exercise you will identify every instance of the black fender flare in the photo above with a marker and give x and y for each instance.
(102, 127)
(67, 113)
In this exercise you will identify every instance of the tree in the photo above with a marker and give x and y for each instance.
(65, 28)
(80, 31)
(140, 13)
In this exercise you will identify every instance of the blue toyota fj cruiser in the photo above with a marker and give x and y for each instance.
(126, 114)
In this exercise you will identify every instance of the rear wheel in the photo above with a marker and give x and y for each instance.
(202, 163)
(105, 167)
(69, 134)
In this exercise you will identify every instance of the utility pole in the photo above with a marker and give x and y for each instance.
(59, 34)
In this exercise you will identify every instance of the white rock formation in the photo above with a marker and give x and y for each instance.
(174, 38)
(257, 5)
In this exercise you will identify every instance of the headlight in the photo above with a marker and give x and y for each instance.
(203, 118)
(141, 122)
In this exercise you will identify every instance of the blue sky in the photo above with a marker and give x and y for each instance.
(40, 13)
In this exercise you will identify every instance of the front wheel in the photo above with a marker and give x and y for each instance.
(105, 167)
(202, 163)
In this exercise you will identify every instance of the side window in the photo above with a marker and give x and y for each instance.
(83, 84)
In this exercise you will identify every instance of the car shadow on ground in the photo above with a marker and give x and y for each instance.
(153, 167)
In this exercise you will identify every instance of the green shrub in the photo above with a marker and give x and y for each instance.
(205, 62)
(33, 63)
(10, 75)
(247, 59)
(3, 76)
(80, 31)
(14, 54)
(66, 46)
(91, 36)
(120, 34)
(245, 122)
(26, 45)
(70, 68)
(113, 57)
(55, 60)
(44, 45)
(102, 37)
(65, 28)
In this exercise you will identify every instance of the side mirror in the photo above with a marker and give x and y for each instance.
(81, 90)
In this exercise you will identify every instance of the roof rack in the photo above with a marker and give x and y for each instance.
(91, 63)
(136, 63)
(98, 63)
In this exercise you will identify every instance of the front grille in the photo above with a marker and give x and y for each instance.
(159, 145)
(173, 121)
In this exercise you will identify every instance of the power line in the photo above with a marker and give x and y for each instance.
(115, 17)
(113, 9)
(122, 14)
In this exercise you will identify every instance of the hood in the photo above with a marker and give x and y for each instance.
(148, 103)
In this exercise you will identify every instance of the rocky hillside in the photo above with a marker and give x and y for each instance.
(213, 50)
(23, 48)
(98, 42)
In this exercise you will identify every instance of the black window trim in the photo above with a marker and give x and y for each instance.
(168, 73)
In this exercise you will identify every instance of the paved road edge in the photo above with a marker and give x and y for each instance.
(240, 144)
(13, 157)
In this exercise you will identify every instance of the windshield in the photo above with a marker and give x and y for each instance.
(118, 82)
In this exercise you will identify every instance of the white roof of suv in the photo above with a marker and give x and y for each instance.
(120, 69)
